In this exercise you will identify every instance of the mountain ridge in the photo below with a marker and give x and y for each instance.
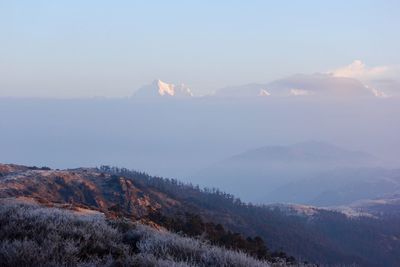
(270, 170)
(310, 237)
(301, 85)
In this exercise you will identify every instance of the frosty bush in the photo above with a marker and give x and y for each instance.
(169, 246)
(32, 235)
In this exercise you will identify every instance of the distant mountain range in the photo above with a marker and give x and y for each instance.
(312, 234)
(311, 153)
(302, 85)
(313, 173)
(298, 85)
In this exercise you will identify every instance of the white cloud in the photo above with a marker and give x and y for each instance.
(357, 69)
(380, 80)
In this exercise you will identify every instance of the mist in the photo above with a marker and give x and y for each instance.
(179, 137)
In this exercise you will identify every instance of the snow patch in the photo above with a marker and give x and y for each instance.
(299, 92)
(165, 88)
(376, 92)
(263, 92)
(162, 89)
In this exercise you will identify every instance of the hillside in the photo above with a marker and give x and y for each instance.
(311, 234)
(35, 235)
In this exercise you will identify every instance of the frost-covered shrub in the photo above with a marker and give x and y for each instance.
(149, 260)
(32, 235)
(166, 245)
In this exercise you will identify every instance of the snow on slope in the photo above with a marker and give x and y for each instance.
(301, 85)
(159, 88)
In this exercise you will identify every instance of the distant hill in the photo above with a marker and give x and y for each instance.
(306, 153)
(385, 206)
(308, 233)
(339, 187)
(294, 173)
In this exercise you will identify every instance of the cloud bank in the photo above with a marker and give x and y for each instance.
(382, 81)
(358, 70)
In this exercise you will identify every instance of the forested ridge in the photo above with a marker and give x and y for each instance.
(262, 231)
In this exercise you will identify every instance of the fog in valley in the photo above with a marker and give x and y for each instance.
(220, 140)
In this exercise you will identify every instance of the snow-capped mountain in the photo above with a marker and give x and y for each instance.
(301, 85)
(159, 88)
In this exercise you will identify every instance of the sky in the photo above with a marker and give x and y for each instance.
(110, 48)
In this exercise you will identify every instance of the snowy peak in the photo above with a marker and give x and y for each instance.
(164, 88)
(304, 85)
(159, 88)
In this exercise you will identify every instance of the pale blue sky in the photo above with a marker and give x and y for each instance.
(88, 48)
